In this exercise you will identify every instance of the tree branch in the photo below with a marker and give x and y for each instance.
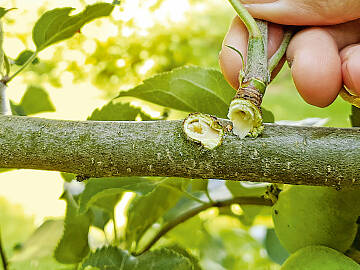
(283, 154)
(193, 212)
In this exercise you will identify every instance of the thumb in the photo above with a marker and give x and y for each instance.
(303, 12)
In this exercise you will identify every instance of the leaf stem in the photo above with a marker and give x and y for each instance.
(275, 59)
(2, 255)
(25, 65)
(247, 19)
(257, 58)
(193, 212)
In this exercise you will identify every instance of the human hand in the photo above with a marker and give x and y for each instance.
(322, 58)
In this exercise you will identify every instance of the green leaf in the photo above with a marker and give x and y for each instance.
(109, 258)
(199, 184)
(17, 109)
(112, 258)
(190, 89)
(196, 188)
(3, 11)
(92, 268)
(356, 243)
(98, 188)
(24, 56)
(184, 205)
(56, 25)
(116, 112)
(6, 65)
(145, 210)
(219, 245)
(190, 234)
(250, 213)
(163, 259)
(68, 177)
(73, 246)
(108, 203)
(182, 251)
(243, 189)
(5, 170)
(274, 249)
(41, 243)
(268, 116)
(237, 242)
(355, 116)
(2, 53)
(35, 100)
(100, 217)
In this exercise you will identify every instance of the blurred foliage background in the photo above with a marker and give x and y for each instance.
(140, 39)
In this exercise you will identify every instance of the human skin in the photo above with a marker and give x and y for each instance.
(324, 55)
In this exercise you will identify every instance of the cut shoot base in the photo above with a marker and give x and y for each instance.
(246, 118)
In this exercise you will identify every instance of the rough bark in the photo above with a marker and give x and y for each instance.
(283, 154)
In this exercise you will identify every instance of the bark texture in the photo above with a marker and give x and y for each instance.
(283, 154)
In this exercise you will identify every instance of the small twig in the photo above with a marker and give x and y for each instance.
(3, 256)
(193, 212)
(25, 65)
(247, 19)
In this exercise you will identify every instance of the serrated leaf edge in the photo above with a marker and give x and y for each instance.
(66, 226)
(167, 73)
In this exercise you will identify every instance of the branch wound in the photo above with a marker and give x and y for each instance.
(203, 129)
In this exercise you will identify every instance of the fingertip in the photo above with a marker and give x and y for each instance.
(316, 71)
(350, 57)
(290, 12)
